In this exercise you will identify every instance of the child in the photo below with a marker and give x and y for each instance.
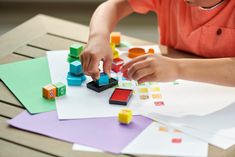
(202, 27)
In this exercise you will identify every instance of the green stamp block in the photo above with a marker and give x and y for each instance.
(71, 59)
(75, 50)
(60, 89)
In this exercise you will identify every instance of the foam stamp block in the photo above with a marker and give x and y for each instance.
(117, 64)
(94, 86)
(74, 80)
(75, 50)
(115, 37)
(125, 116)
(75, 68)
(125, 75)
(113, 46)
(83, 77)
(71, 59)
(120, 96)
(49, 91)
(60, 89)
(116, 54)
(103, 80)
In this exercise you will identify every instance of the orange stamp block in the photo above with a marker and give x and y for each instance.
(115, 37)
(49, 92)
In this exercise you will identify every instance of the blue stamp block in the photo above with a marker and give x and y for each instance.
(74, 80)
(83, 77)
(75, 68)
(103, 80)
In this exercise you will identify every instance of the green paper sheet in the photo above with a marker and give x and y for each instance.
(25, 79)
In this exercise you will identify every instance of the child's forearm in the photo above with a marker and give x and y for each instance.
(107, 16)
(217, 71)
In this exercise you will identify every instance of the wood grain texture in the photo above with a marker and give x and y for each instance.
(31, 52)
(7, 96)
(9, 149)
(10, 111)
(10, 58)
(51, 42)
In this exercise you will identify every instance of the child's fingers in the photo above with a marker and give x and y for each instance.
(107, 65)
(95, 76)
(137, 59)
(137, 66)
(141, 73)
(86, 61)
(93, 67)
(149, 78)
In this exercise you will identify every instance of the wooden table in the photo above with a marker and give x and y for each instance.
(30, 40)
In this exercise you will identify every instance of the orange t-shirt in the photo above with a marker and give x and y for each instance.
(208, 33)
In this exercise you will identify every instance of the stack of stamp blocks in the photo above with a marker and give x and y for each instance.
(75, 76)
(74, 53)
(115, 40)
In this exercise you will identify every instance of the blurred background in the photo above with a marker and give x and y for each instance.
(14, 12)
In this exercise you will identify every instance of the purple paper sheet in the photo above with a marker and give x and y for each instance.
(102, 133)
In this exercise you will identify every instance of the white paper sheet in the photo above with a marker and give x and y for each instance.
(193, 98)
(81, 102)
(204, 107)
(214, 139)
(153, 141)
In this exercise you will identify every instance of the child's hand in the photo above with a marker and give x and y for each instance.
(97, 49)
(150, 68)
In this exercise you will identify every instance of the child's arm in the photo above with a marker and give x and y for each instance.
(102, 24)
(218, 71)
(159, 68)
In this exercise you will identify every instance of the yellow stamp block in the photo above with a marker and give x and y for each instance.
(125, 116)
(115, 54)
(113, 46)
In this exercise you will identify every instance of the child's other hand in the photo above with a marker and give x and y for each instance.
(150, 68)
(97, 49)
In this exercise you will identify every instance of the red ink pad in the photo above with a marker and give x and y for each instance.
(120, 96)
(176, 140)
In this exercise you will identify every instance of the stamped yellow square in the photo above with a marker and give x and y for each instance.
(143, 90)
(155, 89)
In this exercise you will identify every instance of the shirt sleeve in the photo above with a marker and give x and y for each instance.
(144, 6)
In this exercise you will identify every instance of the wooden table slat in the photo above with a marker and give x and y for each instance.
(9, 110)
(51, 42)
(12, 58)
(30, 51)
(7, 96)
(9, 149)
